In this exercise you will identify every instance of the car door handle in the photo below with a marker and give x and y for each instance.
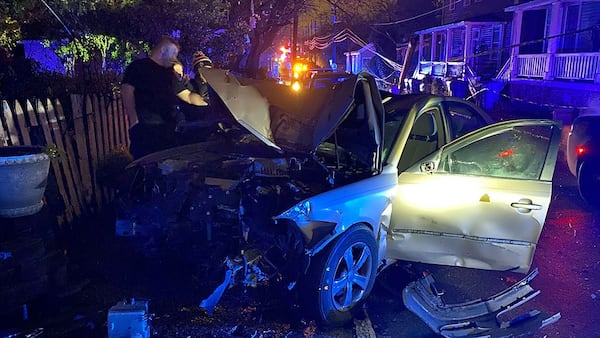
(525, 205)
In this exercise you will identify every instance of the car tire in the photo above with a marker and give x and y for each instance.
(320, 297)
(588, 181)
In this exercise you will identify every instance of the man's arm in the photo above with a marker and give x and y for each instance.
(127, 91)
(192, 98)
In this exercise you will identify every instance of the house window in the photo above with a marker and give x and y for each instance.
(457, 49)
(426, 48)
(581, 18)
(440, 47)
(466, 3)
(452, 5)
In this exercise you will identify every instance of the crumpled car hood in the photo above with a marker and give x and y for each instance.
(290, 121)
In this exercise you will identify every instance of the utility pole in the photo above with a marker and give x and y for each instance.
(294, 39)
(334, 22)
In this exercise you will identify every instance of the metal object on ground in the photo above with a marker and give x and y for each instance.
(481, 317)
(129, 320)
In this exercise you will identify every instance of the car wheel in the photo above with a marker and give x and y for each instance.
(588, 180)
(341, 276)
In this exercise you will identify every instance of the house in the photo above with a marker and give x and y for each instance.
(462, 50)
(357, 61)
(555, 52)
(476, 10)
(469, 43)
(542, 52)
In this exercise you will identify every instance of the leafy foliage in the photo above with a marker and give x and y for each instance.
(198, 25)
(10, 32)
(233, 33)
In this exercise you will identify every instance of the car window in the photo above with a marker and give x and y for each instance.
(423, 139)
(463, 119)
(396, 110)
(516, 153)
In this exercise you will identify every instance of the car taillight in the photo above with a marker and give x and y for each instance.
(580, 150)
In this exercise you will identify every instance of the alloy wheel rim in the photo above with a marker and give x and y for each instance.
(352, 276)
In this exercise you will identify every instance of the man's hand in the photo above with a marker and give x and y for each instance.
(192, 98)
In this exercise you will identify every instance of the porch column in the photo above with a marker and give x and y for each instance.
(514, 41)
(555, 29)
(420, 53)
(467, 56)
(433, 47)
(448, 45)
(348, 61)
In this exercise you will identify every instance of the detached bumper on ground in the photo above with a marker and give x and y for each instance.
(482, 317)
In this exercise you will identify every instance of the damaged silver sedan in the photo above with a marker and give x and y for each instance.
(318, 191)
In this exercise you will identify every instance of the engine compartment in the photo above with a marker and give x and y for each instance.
(216, 200)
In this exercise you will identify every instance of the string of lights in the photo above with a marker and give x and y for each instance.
(322, 43)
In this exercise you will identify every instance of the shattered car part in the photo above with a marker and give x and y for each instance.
(251, 275)
(482, 317)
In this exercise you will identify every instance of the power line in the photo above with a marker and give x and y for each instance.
(416, 16)
(57, 18)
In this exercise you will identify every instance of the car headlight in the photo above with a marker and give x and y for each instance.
(301, 211)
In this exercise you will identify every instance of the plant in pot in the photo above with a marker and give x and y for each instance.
(23, 178)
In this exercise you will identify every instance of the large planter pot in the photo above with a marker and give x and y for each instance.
(23, 178)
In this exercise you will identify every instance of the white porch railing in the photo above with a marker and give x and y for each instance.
(504, 73)
(571, 66)
(576, 66)
(532, 65)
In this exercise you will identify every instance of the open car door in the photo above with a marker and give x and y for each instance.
(479, 201)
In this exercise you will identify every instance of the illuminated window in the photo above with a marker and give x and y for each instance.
(516, 153)
(463, 119)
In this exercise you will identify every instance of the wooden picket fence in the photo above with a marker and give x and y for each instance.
(96, 127)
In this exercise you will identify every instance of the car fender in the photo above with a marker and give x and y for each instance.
(365, 202)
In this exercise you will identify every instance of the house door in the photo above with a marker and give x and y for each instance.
(533, 29)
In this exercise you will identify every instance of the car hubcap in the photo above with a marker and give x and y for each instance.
(352, 276)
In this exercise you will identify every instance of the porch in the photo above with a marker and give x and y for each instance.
(554, 40)
(461, 50)
(553, 66)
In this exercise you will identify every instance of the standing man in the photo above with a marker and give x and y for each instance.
(150, 99)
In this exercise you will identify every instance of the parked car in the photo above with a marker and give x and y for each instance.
(316, 192)
(325, 79)
(318, 78)
(583, 156)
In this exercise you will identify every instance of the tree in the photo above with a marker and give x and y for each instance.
(85, 47)
(265, 19)
(194, 22)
